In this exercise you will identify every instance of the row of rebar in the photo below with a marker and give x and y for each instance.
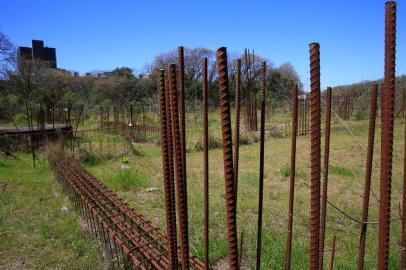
(131, 239)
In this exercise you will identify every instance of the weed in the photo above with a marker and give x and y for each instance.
(124, 160)
(79, 247)
(214, 142)
(248, 137)
(90, 159)
(127, 179)
(285, 172)
(343, 171)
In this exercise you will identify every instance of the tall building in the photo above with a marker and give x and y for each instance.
(38, 52)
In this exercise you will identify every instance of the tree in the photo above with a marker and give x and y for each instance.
(7, 55)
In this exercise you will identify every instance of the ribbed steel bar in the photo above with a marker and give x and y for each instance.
(182, 111)
(387, 124)
(403, 243)
(170, 223)
(170, 153)
(237, 124)
(241, 250)
(302, 116)
(228, 157)
(315, 155)
(288, 251)
(368, 174)
(261, 166)
(333, 252)
(323, 214)
(179, 171)
(206, 166)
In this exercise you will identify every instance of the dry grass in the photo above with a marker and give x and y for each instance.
(348, 153)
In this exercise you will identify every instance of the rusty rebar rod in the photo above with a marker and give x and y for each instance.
(180, 183)
(206, 166)
(333, 252)
(387, 124)
(237, 124)
(170, 153)
(288, 251)
(368, 174)
(315, 156)
(241, 250)
(182, 112)
(261, 165)
(403, 243)
(227, 157)
(170, 223)
(323, 214)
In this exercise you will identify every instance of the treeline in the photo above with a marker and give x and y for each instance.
(353, 101)
(30, 91)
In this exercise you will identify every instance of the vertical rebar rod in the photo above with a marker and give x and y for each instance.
(307, 116)
(368, 174)
(206, 166)
(315, 155)
(237, 124)
(241, 250)
(182, 112)
(403, 243)
(333, 252)
(288, 251)
(323, 214)
(261, 165)
(173, 260)
(302, 116)
(387, 135)
(170, 155)
(228, 157)
(180, 184)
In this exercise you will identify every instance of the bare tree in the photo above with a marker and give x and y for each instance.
(7, 55)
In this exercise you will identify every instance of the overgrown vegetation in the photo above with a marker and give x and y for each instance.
(39, 227)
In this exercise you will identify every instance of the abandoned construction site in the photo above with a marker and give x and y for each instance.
(207, 159)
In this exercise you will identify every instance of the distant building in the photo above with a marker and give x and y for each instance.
(144, 75)
(38, 52)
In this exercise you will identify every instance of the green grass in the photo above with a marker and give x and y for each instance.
(347, 159)
(127, 179)
(343, 171)
(139, 180)
(91, 159)
(39, 228)
(285, 172)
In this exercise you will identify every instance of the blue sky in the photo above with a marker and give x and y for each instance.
(101, 35)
